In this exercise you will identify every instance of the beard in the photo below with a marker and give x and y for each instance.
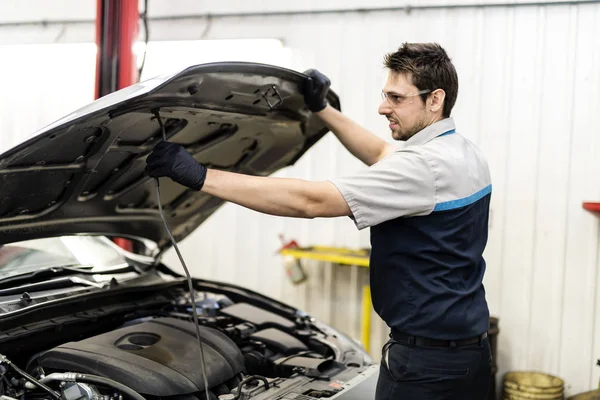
(404, 133)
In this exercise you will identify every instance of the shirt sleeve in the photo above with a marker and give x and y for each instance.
(401, 184)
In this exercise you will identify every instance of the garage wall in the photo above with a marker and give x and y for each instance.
(529, 77)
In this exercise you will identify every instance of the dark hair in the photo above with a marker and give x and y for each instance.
(430, 68)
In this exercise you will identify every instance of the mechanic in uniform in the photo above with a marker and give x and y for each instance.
(426, 201)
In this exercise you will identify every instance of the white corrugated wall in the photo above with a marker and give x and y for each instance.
(529, 79)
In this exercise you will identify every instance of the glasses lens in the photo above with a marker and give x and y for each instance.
(393, 98)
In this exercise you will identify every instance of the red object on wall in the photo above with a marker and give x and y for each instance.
(116, 66)
(592, 207)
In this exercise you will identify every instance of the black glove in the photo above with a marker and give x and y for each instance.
(173, 160)
(315, 90)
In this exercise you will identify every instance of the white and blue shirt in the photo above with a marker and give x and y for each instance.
(427, 205)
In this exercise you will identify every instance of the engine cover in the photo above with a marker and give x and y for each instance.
(160, 357)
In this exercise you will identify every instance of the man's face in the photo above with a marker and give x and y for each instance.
(404, 109)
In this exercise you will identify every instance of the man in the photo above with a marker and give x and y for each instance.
(426, 202)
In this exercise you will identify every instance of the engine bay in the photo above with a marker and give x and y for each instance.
(249, 353)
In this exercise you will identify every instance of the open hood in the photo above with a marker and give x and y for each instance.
(85, 172)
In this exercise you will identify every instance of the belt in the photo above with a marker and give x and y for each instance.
(423, 341)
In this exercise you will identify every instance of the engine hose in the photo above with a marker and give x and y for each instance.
(34, 381)
(248, 380)
(86, 378)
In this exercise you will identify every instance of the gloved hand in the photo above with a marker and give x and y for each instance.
(315, 90)
(173, 160)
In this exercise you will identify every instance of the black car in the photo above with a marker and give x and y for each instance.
(82, 318)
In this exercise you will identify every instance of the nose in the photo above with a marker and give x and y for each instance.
(384, 108)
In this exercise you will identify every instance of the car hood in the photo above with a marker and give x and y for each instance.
(84, 174)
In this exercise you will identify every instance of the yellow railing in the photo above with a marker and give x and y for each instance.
(342, 256)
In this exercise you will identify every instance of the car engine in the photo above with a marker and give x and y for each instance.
(158, 358)
(249, 353)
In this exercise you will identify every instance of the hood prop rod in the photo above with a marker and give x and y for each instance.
(187, 272)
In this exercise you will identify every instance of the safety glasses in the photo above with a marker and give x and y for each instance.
(397, 99)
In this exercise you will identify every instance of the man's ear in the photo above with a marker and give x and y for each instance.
(436, 100)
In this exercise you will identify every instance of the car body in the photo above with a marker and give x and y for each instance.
(81, 317)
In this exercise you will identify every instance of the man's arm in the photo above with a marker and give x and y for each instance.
(401, 184)
(277, 196)
(359, 141)
(363, 144)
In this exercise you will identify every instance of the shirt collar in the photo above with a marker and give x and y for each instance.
(434, 130)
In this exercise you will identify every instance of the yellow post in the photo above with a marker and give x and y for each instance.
(342, 256)
(365, 335)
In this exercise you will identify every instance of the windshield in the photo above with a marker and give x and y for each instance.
(27, 256)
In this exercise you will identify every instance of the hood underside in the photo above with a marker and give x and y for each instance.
(85, 172)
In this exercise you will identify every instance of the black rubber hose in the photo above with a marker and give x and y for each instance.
(109, 382)
(248, 380)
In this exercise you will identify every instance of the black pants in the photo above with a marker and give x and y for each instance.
(409, 372)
